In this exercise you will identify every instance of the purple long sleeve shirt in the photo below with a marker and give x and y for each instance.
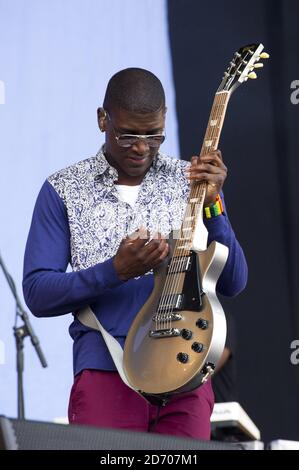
(79, 219)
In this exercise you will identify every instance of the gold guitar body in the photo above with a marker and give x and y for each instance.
(180, 354)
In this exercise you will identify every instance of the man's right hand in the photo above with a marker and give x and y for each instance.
(138, 254)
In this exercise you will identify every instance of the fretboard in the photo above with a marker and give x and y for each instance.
(198, 190)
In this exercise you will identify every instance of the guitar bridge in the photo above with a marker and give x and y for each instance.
(165, 333)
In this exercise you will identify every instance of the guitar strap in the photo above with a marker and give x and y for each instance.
(87, 317)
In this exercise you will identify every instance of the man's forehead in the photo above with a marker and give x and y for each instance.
(130, 119)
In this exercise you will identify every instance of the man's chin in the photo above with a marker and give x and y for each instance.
(137, 171)
(137, 167)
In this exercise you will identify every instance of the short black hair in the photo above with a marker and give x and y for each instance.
(134, 89)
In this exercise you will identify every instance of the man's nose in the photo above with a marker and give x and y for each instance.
(141, 146)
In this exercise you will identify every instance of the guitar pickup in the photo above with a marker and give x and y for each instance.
(171, 302)
(179, 264)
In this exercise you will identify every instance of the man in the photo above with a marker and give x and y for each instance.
(84, 215)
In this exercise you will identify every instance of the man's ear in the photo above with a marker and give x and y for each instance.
(102, 119)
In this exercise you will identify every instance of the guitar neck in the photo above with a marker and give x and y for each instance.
(193, 234)
(211, 139)
(215, 123)
(193, 214)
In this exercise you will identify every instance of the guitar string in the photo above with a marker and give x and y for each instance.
(180, 254)
(197, 192)
(164, 318)
(211, 134)
(179, 257)
(165, 303)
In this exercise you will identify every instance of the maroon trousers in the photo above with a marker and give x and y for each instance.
(100, 398)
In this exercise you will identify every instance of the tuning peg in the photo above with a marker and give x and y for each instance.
(258, 65)
(264, 55)
(252, 75)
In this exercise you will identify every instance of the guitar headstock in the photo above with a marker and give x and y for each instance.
(242, 66)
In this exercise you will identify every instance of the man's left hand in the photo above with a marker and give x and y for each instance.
(209, 168)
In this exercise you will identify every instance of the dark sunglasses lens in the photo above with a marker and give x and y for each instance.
(153, 141)
(125, 141)
(156, 141)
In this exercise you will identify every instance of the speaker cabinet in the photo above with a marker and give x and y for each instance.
(36, 435)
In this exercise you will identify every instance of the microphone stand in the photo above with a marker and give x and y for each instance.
(20, 332)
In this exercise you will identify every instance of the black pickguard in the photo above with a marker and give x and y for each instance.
(192, 289)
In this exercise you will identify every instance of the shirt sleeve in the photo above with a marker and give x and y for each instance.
(48, 289)
(233, 278)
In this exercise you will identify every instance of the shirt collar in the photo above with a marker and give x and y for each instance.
(105, 169)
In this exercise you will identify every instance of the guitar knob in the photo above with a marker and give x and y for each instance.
(186, 334)
(202, 324)
(197, 347)
(182, 357)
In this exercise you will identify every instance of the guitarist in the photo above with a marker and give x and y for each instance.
(84, 215)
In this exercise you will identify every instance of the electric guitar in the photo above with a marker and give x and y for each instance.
(178, 336)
